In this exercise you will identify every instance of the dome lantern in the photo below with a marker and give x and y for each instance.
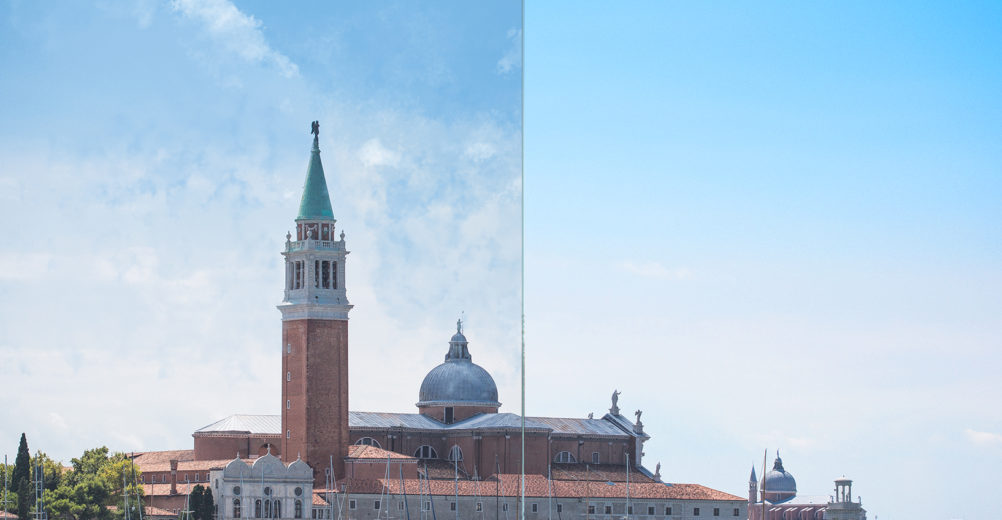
(458, 388)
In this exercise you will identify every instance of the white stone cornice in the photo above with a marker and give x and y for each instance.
(313, 311)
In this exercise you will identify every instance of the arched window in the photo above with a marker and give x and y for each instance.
(455, 454)
(236, 508)
(257, 508)
(426, 452)
(278, 508)
(267, 508)
(368, 441)
(299, 508)
(565, 457)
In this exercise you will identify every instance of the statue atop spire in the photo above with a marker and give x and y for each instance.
(316, 202)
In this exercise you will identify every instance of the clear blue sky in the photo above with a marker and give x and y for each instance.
(783, 221)
(769, 225)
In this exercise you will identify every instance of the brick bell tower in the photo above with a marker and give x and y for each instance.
(315, 332)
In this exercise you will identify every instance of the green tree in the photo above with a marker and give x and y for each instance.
(22, 464)
(24, 496)
(195, 503)
(52, 471)
(208, 505)
(95, 482)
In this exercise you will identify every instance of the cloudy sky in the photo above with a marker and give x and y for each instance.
(769, 226)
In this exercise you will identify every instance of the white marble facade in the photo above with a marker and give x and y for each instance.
(265, 489)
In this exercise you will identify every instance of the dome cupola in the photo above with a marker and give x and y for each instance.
(778, 484)
(457, 383)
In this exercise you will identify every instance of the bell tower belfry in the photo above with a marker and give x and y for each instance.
(315, 332)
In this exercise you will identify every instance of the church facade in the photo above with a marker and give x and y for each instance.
(457, 454)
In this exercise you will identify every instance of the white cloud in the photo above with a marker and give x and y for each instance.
(23, 266)
(512, 58)
(240, 34)
(373, 153)
(989, 439)
(655, 270)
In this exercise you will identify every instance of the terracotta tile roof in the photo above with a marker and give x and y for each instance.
(156, 511)
(438, 469)
(187, 465)
(361, 451)
(538, 487)
(153, 457)
(7, 516)
(164, 489)
(596, 472)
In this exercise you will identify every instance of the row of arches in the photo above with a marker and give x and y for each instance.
(423, 452)
(268, 508)
(456, 453)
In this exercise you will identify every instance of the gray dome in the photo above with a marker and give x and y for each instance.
(458, 381)
(779, 485)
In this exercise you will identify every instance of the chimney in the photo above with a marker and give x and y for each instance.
(173, 476)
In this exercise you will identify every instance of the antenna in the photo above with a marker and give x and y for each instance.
(6, 484)
(39, 487)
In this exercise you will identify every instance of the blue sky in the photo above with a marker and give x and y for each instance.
(776, 226)
(769, 225)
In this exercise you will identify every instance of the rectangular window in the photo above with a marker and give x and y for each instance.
(288, 348)
(737, 511)
(288, 376)
(288, 404)
(695, 511)
(298, 278)
(629, 510)
(400, 505)
(591, 510)
(449, 414)
(375, 505)
(351, 504)
(334, 273)
(426, 506)
(716, 511)
(288, 434)
(452, 506)
(560, 508)
(608, 510)
(650, 510)
(316, 273)
(480, 506)
(667, 510)
(504, 507)
(534, 508)
(594, 457)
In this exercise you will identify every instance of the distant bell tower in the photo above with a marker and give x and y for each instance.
(315, 332)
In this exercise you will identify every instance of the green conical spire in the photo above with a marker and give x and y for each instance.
(316, 203)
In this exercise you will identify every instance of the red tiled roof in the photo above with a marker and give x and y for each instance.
(164, 489)
(153, 457)
(156, 511)
(538, 486)
(596, 473)
(187, 465)
(361, 451)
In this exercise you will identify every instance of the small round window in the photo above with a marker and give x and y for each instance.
(267, 491)
(236, 490)
(299, 491)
